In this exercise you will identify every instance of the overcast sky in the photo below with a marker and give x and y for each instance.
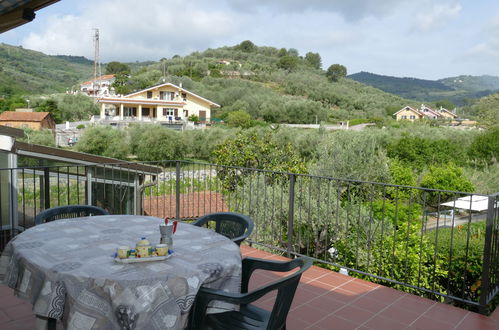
(427, 39)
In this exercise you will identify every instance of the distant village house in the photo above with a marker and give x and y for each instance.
(98, 87)
(424, 112)
(32, 120)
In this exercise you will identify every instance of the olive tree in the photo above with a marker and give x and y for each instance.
(336, 71)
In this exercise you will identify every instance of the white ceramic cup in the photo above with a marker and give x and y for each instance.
(123, 252)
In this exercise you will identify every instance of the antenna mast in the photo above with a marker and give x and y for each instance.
(97, 68)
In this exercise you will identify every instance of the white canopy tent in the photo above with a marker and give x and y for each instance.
(471, 202)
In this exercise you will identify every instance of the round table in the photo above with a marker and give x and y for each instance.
(66, 269)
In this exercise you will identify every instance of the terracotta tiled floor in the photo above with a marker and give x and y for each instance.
(328, 300)
(324, 300)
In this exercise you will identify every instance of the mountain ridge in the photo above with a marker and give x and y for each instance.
(457, 89)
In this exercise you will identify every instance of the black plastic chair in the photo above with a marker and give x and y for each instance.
(235, 226)
(68, 211)
(250, 316)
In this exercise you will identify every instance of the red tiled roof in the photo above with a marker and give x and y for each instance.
(23, 116)
(192, 205)
(104, 77)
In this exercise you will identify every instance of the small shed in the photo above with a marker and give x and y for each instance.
(33, 120)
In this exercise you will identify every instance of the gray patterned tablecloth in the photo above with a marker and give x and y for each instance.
(65, 268)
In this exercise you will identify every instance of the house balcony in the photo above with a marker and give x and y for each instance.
(416, 258)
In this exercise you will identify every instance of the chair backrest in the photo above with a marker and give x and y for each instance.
(286, 288)
(235, 226)
(68, 211)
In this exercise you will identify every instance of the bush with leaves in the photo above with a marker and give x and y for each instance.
(391, 244)
(461, 248)
(200, 143)
(75, 107)
(193, 118)
(417, 152)
(403, 176)
(248, 150)
(158, 143)
(239, 118)
(485, 147)
(444, 177)
(104, 141)
(349, 155)
(44, 137)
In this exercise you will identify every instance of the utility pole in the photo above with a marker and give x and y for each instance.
(97, 68)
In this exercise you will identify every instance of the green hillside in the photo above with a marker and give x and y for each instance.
(271, 84)
(276, 85)
(458, 90)
(485, 110)
(472, 83)
(24, 71)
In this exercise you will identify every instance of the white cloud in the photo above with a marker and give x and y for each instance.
(348, 9)
(134, 32)
(436, 16)
(488, 47)
(370, 35)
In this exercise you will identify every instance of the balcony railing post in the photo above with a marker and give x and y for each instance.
(489, 232)
(90, 177)
(177, 190)
(291, 213)
(46, 187)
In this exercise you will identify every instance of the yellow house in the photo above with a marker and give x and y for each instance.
(167, 103)
(408, 113)
(446, 114)
(425, 112)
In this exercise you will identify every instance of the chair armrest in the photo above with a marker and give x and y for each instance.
(239, 239)
(249, 265)
(206, 295)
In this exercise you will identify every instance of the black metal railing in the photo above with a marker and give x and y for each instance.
(414, 239)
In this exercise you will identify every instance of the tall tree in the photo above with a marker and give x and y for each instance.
(445, 103)
(50, 105)
(314, 59)
(122, 84)
(336, 71)
(117, 67)
(288, 62)
(247, 46)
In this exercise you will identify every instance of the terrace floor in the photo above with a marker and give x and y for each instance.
(324, 300)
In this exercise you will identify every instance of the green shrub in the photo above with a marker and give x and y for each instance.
(446, 177)
(485, 147)
(43, 137)
(104, 141)
(193, 118)
(158, 143)
(463, 256)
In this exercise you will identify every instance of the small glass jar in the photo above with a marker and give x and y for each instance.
(143, 248)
